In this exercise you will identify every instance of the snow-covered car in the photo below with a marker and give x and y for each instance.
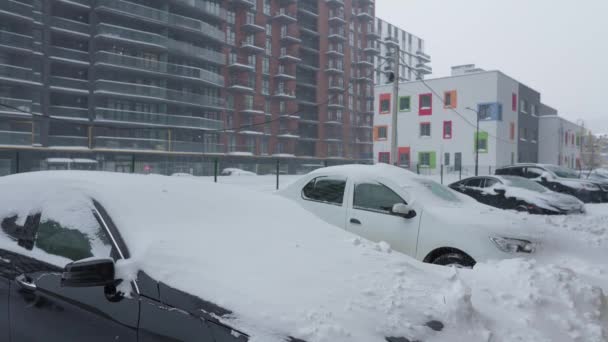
(231, 171)
(119, 257)
(415, 215)
(517, 193)
(556, 178)
(600, 177)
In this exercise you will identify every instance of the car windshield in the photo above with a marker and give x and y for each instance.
(562, 171)
(522, 183)
(437, 190)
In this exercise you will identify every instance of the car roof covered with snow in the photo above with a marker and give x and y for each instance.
(279, 269)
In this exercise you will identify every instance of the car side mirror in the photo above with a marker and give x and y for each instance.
(88, 273)
(403, 210)
(500, 191)
(546, 177)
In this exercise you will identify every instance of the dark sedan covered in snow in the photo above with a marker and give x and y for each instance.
(517, 193)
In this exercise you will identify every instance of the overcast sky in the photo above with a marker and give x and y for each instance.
(558, 47)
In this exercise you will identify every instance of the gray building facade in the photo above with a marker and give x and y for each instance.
(527, 120)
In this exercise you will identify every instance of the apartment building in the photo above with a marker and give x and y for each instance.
(441, 130)
(166, 78)
(560, 141)
(412, 50)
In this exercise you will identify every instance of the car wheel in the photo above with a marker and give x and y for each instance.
(457, 260)
(521, 208)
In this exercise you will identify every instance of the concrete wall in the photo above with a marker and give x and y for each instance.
(558, 142)
(528, 124)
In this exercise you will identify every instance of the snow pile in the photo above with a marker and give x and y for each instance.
(236, 172)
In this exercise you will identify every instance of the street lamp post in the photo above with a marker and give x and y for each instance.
(476, 141)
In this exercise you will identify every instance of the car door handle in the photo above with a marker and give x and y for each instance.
(355, 221)
(25, 283)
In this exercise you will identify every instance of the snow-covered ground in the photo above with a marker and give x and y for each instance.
(560, 295)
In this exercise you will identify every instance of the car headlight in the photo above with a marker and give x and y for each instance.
(589, 186)
(509, 245)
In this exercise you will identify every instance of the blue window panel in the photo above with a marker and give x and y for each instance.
(490, 111)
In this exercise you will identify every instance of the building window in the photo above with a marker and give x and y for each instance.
(514, 102)
(265, 86)
(427, 160)
(425, 129)
(458, 161)
(523, 105)
(533, 110)
(512, 131)
(425, 104)
(385, 103)
(404, 157)
(384, 157)
(404, 103)
(446, 159)
(447, 130)
(450, 99)
(566, 139)
(490, 111)
(380, 132)
(481, 140)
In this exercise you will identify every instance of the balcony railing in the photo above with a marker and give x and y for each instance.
(123, 33)
(70, 112)
(16, 138)
(309, 8)
(68, 141)
(133, 9)
(119, 143)
(235, 149)
(18, 73)
(159, 67)
(197, 26)
(114, 115)
(122, 88)
(196, 51)
(21, 104)
(64, 53)
(207, 7)
(68, 82)
(17, 8)
(15, 40)
(196, 147)
(70, 25)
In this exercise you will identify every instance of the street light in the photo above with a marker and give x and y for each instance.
(476, 142)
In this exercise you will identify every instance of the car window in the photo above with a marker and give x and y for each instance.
(490, 182)
(534, 172)
(325, 189)
(562, 172)
(474, 182)
(376, 197)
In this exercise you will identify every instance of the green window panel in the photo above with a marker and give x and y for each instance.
(427, 159)
(405, 104)
(483, 142)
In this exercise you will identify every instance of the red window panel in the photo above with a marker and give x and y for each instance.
(404, 157)
(384, 157)
(385, 104)
(514, 102)
(447, 130)
(512, 132)
(425, 104)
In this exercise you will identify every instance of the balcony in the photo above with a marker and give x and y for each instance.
(251, 47)
(333, 138)
(130, 144)
(285, 17)
(336, 18)
(391, 42)
(372, 49)
(241, 86)
(336, 87)
(309, 31)
(69, 55)
(334, 104)
(372, 33)
(335, 3)
(250, 25)
(190, 50)
(210, 9)
(24, 106)
(289, 38)
(195, 147)
(308, 9)
(364, 123)
(424, 69)
(333, 51)
(133, 10)
(306, 82)
(365, 13)
(76, 113)
(197, 26)
(18, 74)
(284, 74)
(13, 138)
(155, 119)
(242, 3)
(79, 3)
(288, 58)
(74, 85)
(249, 108)
(284, 94)
(72, 27)
(334, 120)
(241, 149)
(169, 69)
(289, 134)
(17, 9)
(241, 66)
(334, 69)
(68, 141)
(16, 41)
(423, 56)
(366, 62)
(114, 32)
(336, 35)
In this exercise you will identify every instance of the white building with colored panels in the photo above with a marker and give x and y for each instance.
(435, 130)
(560, 141)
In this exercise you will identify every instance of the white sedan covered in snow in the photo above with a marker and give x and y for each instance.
(415, 215)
